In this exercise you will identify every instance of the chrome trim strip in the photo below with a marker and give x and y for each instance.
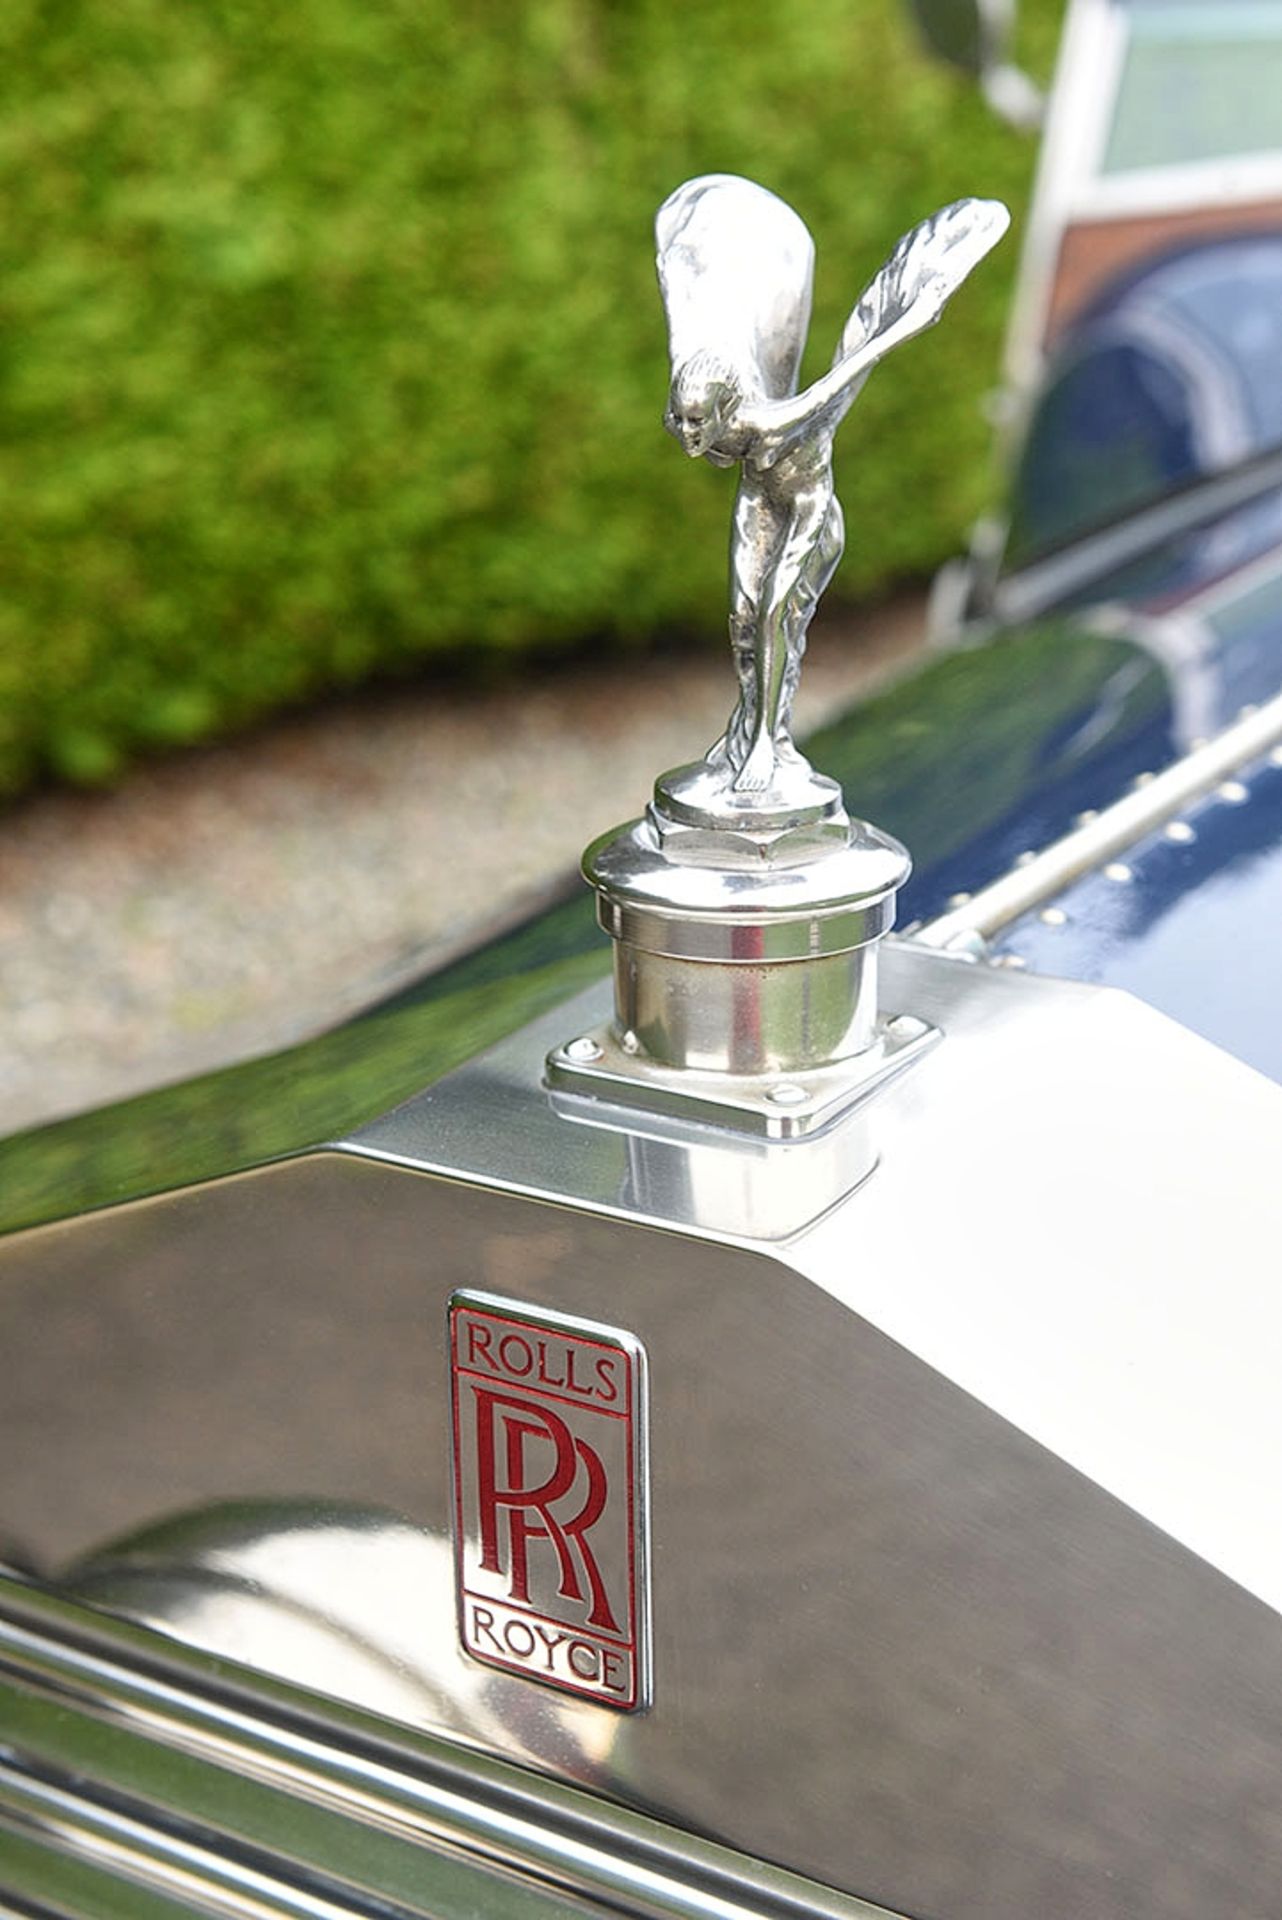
(142, 1853)
(1168, 187)
(262, 1734)
(1044, 584)
(1139, 813)
(44, 1882)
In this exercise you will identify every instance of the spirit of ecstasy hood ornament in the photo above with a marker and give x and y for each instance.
(735, 266)
(746, 906)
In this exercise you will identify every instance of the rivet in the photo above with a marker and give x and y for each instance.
(905, 1026)
(958, 899)
(1084, 819)
(1119, 871)
(1244, 713)
(787, 1094)
(583, 1050)
(1233, 792)
(1197, 742)
(1180, 831)
(1026, 858)
(1142, 780)
(629, 1042)
(1014, 961)
(1276, 756)
(1053, 917)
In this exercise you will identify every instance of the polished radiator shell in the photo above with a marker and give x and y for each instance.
(965, 1582)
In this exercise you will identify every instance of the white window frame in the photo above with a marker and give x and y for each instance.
(1072, 189)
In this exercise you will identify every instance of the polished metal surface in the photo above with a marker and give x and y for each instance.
(745, 1021)
(142, 1778)
(740, 909)
(735, 267)
(595, 1068)
(741, 959)
(715, 1153)
(962, 1601)
(1098, 840)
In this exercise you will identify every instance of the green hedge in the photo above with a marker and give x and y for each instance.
(329, 339)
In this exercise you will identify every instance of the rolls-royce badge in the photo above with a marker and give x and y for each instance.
(549, 1487)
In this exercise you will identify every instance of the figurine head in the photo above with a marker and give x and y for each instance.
(702, 402)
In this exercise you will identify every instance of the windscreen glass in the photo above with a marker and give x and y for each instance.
(1201, 80)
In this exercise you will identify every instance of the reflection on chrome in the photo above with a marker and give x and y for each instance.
(347, 1600)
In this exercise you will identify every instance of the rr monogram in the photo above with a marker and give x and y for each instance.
(520, 1422)
(549, 1483)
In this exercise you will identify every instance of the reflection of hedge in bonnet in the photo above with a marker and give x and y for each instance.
(331, 338)
(992, 723)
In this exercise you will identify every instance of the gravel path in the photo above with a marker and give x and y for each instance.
(231, 899)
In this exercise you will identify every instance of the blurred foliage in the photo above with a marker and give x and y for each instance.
(329, 339)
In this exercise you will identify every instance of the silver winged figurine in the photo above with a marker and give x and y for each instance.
(736, 266)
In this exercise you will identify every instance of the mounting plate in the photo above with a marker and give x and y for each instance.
(599, 1066)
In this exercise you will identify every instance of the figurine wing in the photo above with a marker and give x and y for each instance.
(736, 266)
(906, 297)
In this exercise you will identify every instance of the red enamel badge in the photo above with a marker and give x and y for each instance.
(549, 1488)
